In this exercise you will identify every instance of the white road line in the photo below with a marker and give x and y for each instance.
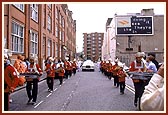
(55, 89)
(130, 88)
(48, 94)
(38, 104)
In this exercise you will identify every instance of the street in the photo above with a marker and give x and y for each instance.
(85, 91)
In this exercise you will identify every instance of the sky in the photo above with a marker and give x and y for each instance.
(92, 16)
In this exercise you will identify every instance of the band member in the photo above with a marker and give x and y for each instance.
(50, 69)
(109, 69)
(138, 66)
(61, 73)
(74, 66)
(114, 73)
(68, 68)
(10, 81)
(121, 77)
(32, 80)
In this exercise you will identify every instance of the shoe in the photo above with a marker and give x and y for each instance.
(28, 102)
(33, 103)
(135, 104)
(121, 93)
(49, 90)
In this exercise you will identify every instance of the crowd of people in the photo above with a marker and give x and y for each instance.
(149, 93)
(28, 71)
(143, 87)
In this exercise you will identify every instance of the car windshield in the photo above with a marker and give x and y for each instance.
(88, 62)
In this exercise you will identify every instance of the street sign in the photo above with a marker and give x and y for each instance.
(134, 25)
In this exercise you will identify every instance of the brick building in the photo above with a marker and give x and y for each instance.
(40, 30)
(92, 45)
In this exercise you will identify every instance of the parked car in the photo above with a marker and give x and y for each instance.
(88, 65)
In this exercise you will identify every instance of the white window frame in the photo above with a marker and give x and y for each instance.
(49, 23)
(62, 35)
(56, 30)
(34, 43)
(56, 13)
(49, 5)
(19, 6)
(17, 37)
(34, 12)
(56, 50)
(49, 47)
(44, 45)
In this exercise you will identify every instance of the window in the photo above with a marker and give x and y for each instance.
(44, 19)
(34, 12)
(57, 31)
(49, 47)
(43, 45)
(53, 49)
(34, 43)
(60, 19)
(49, 5)
(60, 50)
(49, 23)
(56, 13)
(62, 36)
(62, 22)
(56, 49)
(100, 38)
(19, 6)
(17, 37)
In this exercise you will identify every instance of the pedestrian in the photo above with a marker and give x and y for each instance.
(153, 96)
(61, 72)
(150, 66)
(50, 69)
(114, 73)
(32, 81)
(153, 59)
(121, 77)
(138, 66)
(11, 81)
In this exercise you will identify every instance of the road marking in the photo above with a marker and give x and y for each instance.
(48, 94)
(38, 104)
(55, 89)
(130, 88)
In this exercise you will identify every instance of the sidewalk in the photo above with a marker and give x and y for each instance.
(41, 79)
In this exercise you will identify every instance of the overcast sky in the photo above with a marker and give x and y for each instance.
(92, 17)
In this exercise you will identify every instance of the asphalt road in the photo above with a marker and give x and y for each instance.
(83, 92)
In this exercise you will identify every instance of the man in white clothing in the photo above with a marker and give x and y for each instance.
(153, 96)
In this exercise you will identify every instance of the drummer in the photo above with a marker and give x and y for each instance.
(138, 66)
(32, 91)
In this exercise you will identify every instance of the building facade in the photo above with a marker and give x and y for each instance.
(127, 45)
(39, 30)
(92, 45)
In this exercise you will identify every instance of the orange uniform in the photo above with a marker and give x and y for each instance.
(121, 75)
(50, 69)
(61, 71)
(11, 78)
